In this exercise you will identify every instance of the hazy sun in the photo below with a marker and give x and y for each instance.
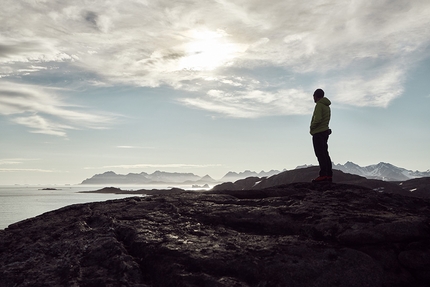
(208, 50)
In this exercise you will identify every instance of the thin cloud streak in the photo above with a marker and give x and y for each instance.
(7, 161)
(144, 165)
(344, 46)
(134, 147)
(27, 170)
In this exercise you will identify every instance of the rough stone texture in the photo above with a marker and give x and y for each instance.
(419, 187)
(299, 234)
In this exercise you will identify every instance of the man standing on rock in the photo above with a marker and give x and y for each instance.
(320, 132)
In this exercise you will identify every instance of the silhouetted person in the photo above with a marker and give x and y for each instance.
(320, 132)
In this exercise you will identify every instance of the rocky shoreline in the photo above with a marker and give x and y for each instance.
(298, 234)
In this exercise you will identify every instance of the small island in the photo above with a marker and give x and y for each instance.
(116, 190)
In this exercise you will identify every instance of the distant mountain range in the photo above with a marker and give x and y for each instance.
(158, 177)
(161, 177)
(381, 171)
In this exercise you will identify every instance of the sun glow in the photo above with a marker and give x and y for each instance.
(208, 50)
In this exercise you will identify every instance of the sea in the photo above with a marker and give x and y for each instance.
(19, 202)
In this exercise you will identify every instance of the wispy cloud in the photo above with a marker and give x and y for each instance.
(145, 165)
(370, 90)
(7, 161)
(19, 162)
(27, 170)
(133, 147)
(251, 104)
(43, 112)
(338, 45)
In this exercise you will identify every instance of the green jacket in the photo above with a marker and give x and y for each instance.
(321, 116)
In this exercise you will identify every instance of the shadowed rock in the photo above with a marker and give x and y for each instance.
(419, 187)
(299, 234)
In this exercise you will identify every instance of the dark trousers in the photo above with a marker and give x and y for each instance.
(321, 151)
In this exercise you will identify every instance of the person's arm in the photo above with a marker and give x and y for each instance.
(317, 116)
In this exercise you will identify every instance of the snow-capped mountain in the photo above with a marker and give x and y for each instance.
(381, 171)
(233, 176)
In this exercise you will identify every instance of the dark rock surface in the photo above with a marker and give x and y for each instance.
(419, 187)
(294, 235)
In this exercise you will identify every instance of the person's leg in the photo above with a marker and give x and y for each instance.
(327, 160)
(319, 147)
(321, 151)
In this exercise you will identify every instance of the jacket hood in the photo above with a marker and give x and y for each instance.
(325, 101)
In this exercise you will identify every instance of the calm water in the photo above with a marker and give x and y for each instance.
(20, 202)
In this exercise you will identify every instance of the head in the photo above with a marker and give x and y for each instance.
(318, 95)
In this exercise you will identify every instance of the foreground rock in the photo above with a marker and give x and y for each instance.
(292, 235)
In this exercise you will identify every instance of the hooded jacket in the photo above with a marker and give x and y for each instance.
(321, 116)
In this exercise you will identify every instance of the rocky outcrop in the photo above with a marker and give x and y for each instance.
(296, 235)
(307, 174)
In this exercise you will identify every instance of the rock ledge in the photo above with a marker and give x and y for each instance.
(299, 234)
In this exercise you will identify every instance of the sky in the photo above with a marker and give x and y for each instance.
(208, 86)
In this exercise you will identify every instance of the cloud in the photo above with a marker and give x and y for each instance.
(19, 161)
(373, 90)
(254, 103)
(41, 125)
(133, 147)
(7, 161)
(346, 45)
(43, 112)
(26, 170)
(30, 51)
(144, 165)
